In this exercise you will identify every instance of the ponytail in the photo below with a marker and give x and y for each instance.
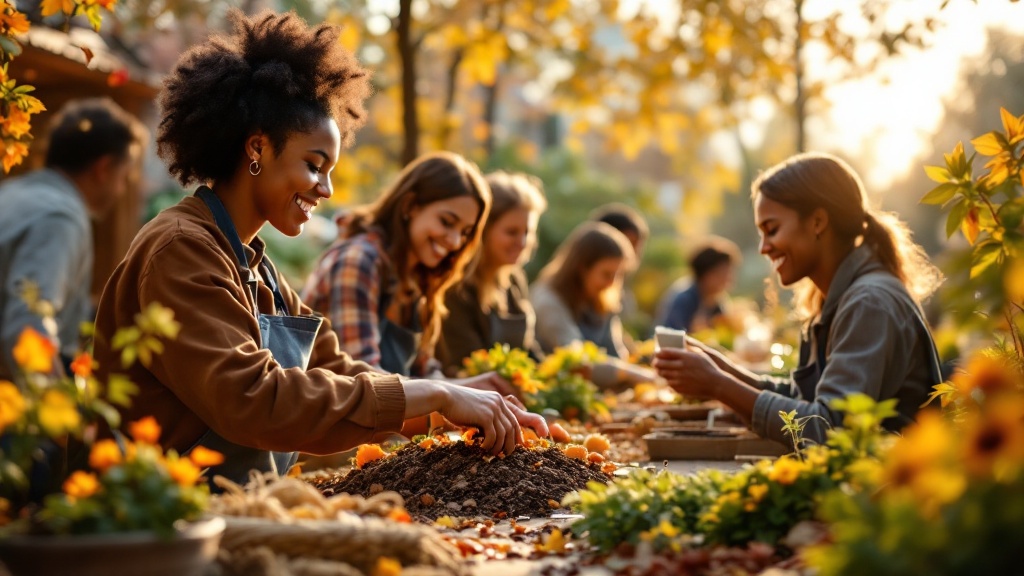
(890, 240)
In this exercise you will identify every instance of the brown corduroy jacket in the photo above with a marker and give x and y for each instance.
(214, 375)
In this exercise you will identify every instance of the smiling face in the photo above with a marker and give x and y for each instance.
(601, 276)
(441, 228)
(293, 180)
(507, 238)
(787, 240)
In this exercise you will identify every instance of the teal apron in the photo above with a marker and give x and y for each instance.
(288, 338)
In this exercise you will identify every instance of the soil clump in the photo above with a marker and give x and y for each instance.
(461, 479)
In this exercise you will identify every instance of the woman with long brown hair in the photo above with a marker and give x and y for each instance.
(382, 284)
(578, 296)
(859, 280)
(491, 306)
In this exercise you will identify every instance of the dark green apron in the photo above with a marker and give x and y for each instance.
(597, 328)
(288, 338)
(399, 346)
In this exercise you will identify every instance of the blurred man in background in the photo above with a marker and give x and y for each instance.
(45, 229)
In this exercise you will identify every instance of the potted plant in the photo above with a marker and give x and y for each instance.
(133, 503)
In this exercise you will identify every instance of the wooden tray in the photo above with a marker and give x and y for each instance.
(717, 443)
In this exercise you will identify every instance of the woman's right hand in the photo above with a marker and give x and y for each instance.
(496, 417)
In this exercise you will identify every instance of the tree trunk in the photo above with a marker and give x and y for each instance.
(407, 53)
(800, 105)
(490, 110)
(449, 97)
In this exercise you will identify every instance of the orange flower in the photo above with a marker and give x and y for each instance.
(369, 453)
(81, 485)
(183, 471)
(15, 22)
(17, 122)
(387, 566)
(82, 365)
(204, 457)
(145, 431)
(14, 153)
(12, 404)
(34, 352)
(104, 454)
(597, 443)
(994, 440)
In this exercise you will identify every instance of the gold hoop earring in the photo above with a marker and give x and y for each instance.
(255, 168)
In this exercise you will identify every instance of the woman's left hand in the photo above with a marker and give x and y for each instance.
(690, 371)
(492, 381)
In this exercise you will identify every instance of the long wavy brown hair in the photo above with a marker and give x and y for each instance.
(510, 191)
(588, 244)
(430, 178)
(809, 181)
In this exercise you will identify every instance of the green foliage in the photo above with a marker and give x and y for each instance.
(627, 508)
(762, 502)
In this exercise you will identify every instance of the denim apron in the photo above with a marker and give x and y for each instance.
(808, 373)
(509, 329)
(288, 338)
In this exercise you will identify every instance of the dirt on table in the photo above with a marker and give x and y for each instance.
(460, 479)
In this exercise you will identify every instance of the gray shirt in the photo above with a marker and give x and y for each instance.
(876, 343)
(556, 327)
(45, 237)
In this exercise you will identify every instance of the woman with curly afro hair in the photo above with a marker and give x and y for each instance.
(258, 120)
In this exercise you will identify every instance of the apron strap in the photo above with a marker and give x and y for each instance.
(227, 226)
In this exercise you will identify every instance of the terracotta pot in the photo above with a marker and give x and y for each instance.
(131, 553)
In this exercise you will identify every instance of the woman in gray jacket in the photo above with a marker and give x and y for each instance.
(859, 281)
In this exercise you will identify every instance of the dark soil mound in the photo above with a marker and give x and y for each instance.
(460, 479)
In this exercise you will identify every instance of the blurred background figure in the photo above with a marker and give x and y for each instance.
(634, 227)
(695, 303)
(45, 228)
(577, 299)
(491, 305)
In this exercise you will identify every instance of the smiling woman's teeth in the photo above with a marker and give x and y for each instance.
(306, 207)
(776, 262)
(438, 249)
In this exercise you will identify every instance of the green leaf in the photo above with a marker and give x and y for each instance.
(1013, 243)
(9, 47)
(941, 194)
(108, 413)
(985, 255)
(120, 390)
(1012, 213)
(956, 216)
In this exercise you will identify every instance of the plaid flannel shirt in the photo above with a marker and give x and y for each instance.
(346, 288)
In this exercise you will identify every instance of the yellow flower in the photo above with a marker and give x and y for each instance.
(51, 7)
(922, 446)
(994, 439)
(145, 431)
(183, 471)
(984, 373)
(786, 470)
(757, 491)
(34, 352)
(12, 404)
(81, 485)
(204, 457)
(58, 414)
(32, 104)
(104, 454)
(14, 153)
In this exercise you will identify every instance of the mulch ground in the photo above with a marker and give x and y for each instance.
(459, 479)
